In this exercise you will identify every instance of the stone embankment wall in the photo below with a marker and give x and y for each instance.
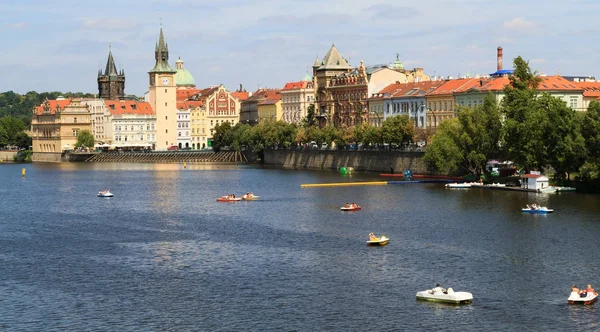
(46, 157)
(370, 161)
(7, 156)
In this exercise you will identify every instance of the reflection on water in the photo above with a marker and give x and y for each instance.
(164, 255)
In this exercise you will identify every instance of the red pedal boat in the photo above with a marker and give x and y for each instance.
(350, 207)
(228, 199)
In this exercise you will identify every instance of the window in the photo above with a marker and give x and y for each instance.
(165, 92)
(165, 103)
(74, 120)
(165, 117)
(573, 103)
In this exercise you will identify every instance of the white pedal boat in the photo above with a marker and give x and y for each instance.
(458, 185)
(449, 297)
(105, 193)
(538, 210)
(589, 298)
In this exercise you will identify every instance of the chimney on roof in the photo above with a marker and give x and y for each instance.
(499, 58)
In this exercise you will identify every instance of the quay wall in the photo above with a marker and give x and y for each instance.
(7, 156)
(46, 157)
(368, 161)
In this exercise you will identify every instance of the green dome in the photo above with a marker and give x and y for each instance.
(307, 78)
(183, 77)
(397, 64)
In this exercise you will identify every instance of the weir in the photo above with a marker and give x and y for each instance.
(169, 157)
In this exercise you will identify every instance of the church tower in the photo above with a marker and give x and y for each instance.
(111, 83)
(162, 96)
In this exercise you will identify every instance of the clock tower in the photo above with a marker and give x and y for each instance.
(162, 96)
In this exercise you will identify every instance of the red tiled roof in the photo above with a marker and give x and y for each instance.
(54, 104)
(269, 102)
(548, 83)
(117, 107)
(186, 105)
(240, 95)
(415, 88)
(452, 85)
(262, 94)
(183, 94)
(295, 85)
(590, 89)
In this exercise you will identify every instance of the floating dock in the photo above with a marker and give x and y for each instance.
(372, 183)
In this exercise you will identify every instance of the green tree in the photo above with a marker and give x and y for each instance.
(398, 130)
(523, 129)
(10, 130)
(590, 129)
(85, 138)
(222, 136)
(444, 154)
(309, 120)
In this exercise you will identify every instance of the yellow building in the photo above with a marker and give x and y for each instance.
(54, 127)
(440, 102)
(197, 123)
(270, 109)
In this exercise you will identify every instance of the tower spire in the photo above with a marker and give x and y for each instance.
(111, 68)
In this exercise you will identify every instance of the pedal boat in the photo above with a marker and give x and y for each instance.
(588, 298)
(351, 208)
(459, 185)
(105, 193)
(250, 197)
(229, 199)
(537, 210)
(449, 297)
(379, 241)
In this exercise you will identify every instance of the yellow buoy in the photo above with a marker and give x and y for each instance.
(23, 172)
(184, 165)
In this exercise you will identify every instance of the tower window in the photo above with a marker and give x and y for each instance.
(165, 117)
(165, 103)
(165, 90)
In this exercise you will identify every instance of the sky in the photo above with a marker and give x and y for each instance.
(60, 45)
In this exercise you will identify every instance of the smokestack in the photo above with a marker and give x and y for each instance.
(499, 58)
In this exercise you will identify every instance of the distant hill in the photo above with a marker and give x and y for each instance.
(20, 106)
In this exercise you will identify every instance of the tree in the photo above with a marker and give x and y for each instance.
(10, 129)
(398, 130)
(222, 136)
(309, 120)
(85, 138)
(444, 154)
(522, 126)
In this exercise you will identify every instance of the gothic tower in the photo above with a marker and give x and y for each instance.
(162, 96)
(111, 83)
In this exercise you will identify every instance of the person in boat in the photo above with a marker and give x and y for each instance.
(353, 205)
(348, 205)
(590, 289)
(372, 237)
(438, 288)
(534, 207)
(575, 289)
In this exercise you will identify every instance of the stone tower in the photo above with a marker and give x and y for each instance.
(162, 96)
(111, 83)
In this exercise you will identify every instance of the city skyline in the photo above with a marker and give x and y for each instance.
(266, 44)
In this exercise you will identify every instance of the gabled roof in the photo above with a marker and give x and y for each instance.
(119, 107)
(414, 89)
(185, 93)
(188, 104)
(334, 60)
(590, 89)
(263, 94)
(548, 83)
(53, 105)
(203, 93)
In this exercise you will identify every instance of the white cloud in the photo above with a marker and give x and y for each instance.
(519, 24)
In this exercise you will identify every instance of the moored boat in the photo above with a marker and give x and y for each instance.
(377, 241)
(583, 298)
(450, 296)
(229, 199)
(458, 185)
(105, 193)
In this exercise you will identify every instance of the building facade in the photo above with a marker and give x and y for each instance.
(440, 102)
(111, 83)
(184, 138)
(409, 99)
(250, 107)
(133, 125)
(54, 127)
(296, 97)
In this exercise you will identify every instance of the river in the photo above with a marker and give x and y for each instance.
(163, 255)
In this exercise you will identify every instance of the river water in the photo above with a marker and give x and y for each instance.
(163, 255)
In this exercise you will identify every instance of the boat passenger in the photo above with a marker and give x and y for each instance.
(372, 237)
(348, 205)
(534, 207)
(438, 288)
(590, 289)
(575, 289)
(353, 205)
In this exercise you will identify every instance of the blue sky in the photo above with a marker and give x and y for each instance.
(59, 46)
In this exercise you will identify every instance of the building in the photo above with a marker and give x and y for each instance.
(162, 96)
(473, 93)
(410, 99)
(296, 97)
(270, 108)
(591, 92)
(101, 126)
(198, 123)
(54, 127)
(184, 138)
(342, 92)
(111, 83)
(440, 101)
(249, 108)
(133, 125)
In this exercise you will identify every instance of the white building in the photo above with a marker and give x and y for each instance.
(184, 139)
(133, 124)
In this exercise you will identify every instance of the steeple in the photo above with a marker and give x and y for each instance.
(111, 68)
(161, 55)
